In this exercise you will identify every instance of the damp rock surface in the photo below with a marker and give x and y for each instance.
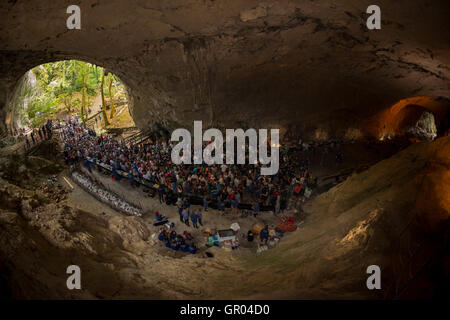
(298, 66)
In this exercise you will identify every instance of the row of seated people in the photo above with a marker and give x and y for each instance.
(177, 242)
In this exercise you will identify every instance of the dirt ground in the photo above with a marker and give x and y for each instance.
(395, 215)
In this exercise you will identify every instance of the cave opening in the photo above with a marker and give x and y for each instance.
(65, 89)
(419, 118)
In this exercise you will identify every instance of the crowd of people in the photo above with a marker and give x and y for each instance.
(183, 242)
(226, 185)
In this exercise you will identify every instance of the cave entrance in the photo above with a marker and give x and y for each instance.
(423, 118)
(71, 89)
(423, 128)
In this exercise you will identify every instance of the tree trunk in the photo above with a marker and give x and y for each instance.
(105, 118)
(111, 96)
(83, 101)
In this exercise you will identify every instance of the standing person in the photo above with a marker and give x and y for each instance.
(186, 203)
(255, 208)
(220, 206)
(161, 193)
(205, 202)
(131, 178)
(186, 216)
(234, 206)
(199, 217)
(194, 220)
(45, 132)
(32, 137)
(250, 236)
(180, 209)
(27, 142)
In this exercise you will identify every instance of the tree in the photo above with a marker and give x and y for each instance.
(105, 118)
(111, 95)
(42, 108)
(84, 71)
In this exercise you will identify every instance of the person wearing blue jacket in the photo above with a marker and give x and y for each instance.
(205, 202)
(161, 193)
(185, 214)
(131, 178)
(264, 234)
(255, 208)
(194, 220)
(199, 217)
(193, 248)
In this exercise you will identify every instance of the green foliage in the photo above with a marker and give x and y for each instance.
(42, 108)
(59, 83)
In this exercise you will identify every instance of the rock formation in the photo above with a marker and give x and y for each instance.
(303, 66)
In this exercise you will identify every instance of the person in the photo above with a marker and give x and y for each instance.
(255, 208)
(185, 214)
(187, 235)
(205, 202)
(194, 220)
(250, 236)
(186, 203)
(161, 193)
(234, 206)
(180, 209)
(235, 244)
(264, 234)
(220, 206)
(158, 217)
(199, 217)
(162, 235)
(193, 248)
(27, 142)
(131, 178)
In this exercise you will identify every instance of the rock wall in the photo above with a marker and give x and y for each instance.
(301, 66)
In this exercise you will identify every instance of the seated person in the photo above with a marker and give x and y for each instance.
(173, 236)
(159, 217)
(180, 239)
(174, 245)
(184, 247)
(193, 248)
(264, 235)
(187, 235)
(235, 244)
(162, 236)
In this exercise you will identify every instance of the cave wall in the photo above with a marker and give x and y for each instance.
(300, 66)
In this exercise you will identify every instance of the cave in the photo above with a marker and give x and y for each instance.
(342, 97)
